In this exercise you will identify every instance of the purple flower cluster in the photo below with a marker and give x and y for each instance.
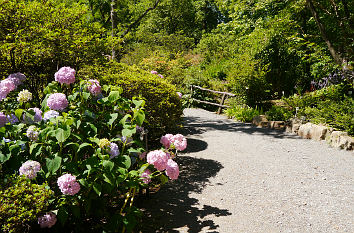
(17, 78)
(37, 116)
(32, 133)
(30, 169)
(68, 185)
(10, 83)
(65, 75)
(179, 94)
(113, 150)
(57, 101)
(3, 119)
(47, 220)
(178, 141)
(94, 87)
(156, 73)
(332, 79)
(50, 114)
(12, 118)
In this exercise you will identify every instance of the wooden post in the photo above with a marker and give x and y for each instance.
(221, 103)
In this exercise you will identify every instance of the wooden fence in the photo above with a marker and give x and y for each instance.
(223, 98)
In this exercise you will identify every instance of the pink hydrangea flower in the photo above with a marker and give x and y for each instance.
(160, 75)
(47, 220)
(94, 87)
(172, 169)
(179, 94)
(30, 169)
(146, 176)
(158, 158)
(179, 141)
(57, 101)
(65, 75)
(3, 119)
(166, 140)
(68, 185)
(154, 72)
(6, 86)
(17, 78)
(37, 116)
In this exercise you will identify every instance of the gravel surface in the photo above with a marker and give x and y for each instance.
(238, 178)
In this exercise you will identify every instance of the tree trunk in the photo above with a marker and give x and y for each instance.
(339, 60)
(114, 25)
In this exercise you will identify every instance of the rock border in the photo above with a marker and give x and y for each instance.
(307, 130)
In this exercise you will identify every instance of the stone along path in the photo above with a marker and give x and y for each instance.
(238, 178)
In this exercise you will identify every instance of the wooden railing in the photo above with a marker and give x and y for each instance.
(223, 98)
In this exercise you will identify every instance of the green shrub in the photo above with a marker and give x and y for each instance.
(37, 37)
(277, 113)
(243, 113)
(331, 106)
(21, 202)
(163, 106)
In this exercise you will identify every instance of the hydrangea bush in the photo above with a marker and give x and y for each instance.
(85, 142)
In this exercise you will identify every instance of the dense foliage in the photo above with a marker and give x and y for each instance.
(38, 37)
(88, 146)
(163, 105)
(21, 203)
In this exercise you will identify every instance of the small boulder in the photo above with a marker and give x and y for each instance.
(318, 132)
(260, 121)
(305, 130)
(339, 139)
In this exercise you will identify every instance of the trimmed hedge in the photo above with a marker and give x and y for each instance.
(163, 106)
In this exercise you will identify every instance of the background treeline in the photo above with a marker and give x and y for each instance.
(257, 49)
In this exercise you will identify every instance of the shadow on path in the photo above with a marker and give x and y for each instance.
(199, 125)
(171, 207)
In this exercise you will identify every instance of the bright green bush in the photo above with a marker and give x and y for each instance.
(163, 106)
(21, 202)
(243, 113)
(37, 37)
(278, 113)
(332, 105)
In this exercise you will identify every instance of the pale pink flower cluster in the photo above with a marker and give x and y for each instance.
(94, 87)
(17, 78)
(172, 169)
(146, 176)
(30, 169)
(57, 101)
(37, 116)
(162, 161)
(6, 86)
(3, 119)
(65, 75)
(47, 220)
(158, 158)
(68, 185)
(177, 141)
(179, 94)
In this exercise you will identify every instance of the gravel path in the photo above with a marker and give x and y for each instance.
(238, 178)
